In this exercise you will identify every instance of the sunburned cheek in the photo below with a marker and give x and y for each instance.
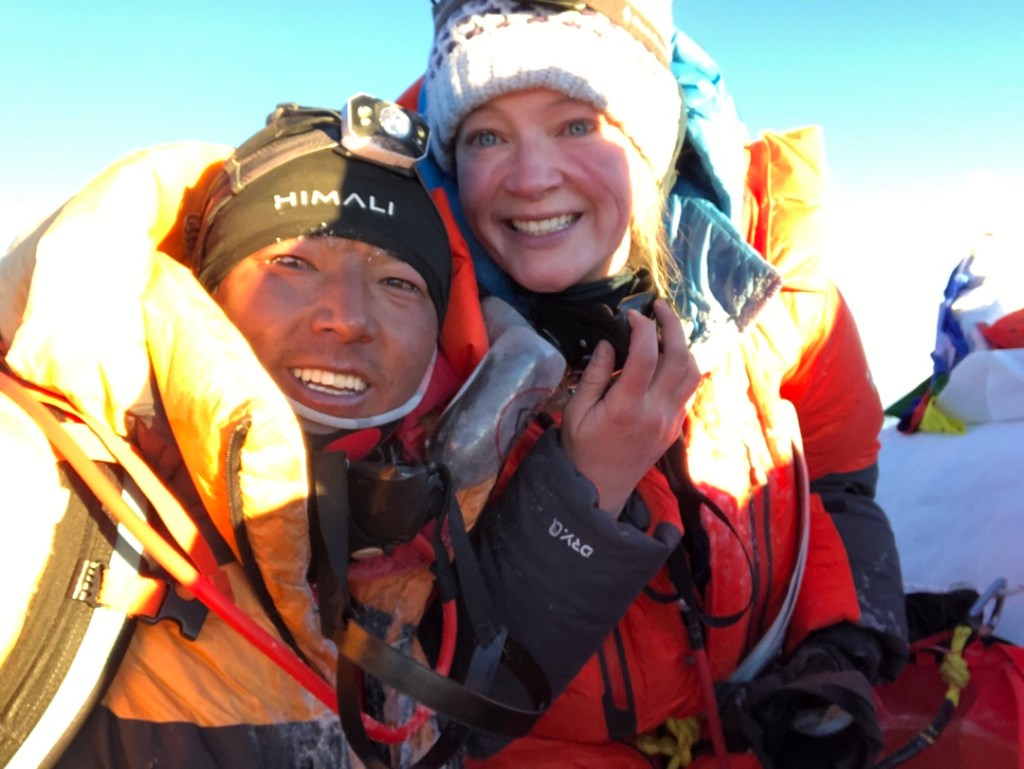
(473, 186)
(266, 351)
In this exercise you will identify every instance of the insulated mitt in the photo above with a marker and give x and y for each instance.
(812, 710)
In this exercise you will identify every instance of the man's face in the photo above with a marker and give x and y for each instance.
(343, 327)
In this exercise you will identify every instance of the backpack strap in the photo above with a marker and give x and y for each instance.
(66, 651)
(102, 445)
(182, 570)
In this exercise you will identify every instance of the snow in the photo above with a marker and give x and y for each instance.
(956, 503)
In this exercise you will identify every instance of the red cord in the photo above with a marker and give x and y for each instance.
(711, 706)
(176, 565)
(189, 577)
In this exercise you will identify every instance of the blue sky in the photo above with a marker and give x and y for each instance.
(922, 106)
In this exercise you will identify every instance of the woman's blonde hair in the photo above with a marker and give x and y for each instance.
(649, 245)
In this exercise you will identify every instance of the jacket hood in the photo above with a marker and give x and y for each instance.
(95, 305)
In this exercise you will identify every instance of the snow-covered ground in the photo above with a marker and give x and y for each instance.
(956, 503)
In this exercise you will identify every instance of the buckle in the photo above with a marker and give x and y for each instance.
(188, 615)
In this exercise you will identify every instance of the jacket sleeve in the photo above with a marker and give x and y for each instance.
(840, 417)
(560, 571)
(829, 381)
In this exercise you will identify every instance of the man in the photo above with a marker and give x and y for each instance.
(332, 273)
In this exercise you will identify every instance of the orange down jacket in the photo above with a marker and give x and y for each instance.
(787, 384)
(95, 306)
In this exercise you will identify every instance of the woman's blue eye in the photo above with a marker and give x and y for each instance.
(580, 127)
(483, 139)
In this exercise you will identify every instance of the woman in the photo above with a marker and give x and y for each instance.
(558, 129)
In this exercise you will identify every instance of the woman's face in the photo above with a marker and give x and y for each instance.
(545, 184)
(343, 327)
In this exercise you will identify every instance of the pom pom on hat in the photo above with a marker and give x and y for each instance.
(487, 48)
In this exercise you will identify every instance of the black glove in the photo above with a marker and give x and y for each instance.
(812, 710)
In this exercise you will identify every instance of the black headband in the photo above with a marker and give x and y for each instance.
(272, 190)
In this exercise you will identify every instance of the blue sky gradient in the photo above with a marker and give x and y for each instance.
(922, 106)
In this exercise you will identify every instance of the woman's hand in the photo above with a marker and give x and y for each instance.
(614, 437)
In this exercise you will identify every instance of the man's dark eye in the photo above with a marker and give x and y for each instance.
(289, 260)
(403, 284)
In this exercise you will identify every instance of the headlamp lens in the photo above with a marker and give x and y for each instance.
(394, 122)
(383, 132)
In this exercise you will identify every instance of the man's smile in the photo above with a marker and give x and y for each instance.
(330, 382)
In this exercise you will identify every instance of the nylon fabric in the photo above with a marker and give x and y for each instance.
(754, 397)
(152, 357)
(145, 365)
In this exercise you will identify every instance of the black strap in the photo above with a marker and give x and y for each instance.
(460, 703)
(453, 733)
(695, 536)
(621, 722)
(689, 565)
(469, 582)
(329, 536)
(453, 699)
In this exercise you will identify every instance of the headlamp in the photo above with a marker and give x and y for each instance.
(367, 128)
(383, 131)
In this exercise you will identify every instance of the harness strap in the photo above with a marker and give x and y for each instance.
(461, 704)
(105, 446)
(329, 536)
(695, 536)
(180, 568)
(693, 555)
(448, 697)
(470, 581)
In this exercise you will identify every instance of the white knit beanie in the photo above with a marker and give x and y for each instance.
(488, 48)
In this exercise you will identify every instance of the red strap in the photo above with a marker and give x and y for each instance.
(180, 525)
(161, 551)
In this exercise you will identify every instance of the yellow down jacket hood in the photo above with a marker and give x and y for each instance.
(132, 340)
